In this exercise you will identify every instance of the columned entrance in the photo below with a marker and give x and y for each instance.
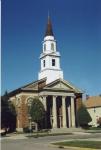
(64, 112)
(60, 111)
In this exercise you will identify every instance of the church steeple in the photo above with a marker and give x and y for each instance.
(49, 31)
(50, 57)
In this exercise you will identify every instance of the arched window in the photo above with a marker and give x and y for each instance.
(44, 47)
(52, 46)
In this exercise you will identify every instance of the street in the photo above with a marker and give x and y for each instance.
(20, 142)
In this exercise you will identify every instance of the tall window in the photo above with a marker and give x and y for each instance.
(44, 47)
(43, 63)
(53, 62)
(52, 46)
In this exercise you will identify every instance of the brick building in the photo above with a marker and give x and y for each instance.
(60, 98)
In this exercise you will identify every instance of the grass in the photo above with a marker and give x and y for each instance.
(93, 131)
(81, 144)
(95, 128)
(46, 134)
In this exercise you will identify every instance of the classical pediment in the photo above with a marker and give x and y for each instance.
(62, 85)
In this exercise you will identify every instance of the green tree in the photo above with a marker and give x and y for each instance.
(8, 114)
(4, 111)
(37, 111)
(83, 116)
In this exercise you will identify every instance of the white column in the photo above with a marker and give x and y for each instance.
(44, 101)
(54, 113)
(64, 112)
(60, 121)
(72, 112)
(69, 117)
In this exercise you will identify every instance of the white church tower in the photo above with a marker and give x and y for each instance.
(50, 57)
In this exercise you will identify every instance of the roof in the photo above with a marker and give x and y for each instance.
(94, 101)
(70, 86)
(49, 31)
(58, 85)
(31, 87)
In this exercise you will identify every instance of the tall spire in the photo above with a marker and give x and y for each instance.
(50, 57)
(49, 31)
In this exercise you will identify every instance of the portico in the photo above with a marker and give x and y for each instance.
(60, 110)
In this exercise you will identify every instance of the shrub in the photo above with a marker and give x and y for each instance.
(83, 117)
(27, 130)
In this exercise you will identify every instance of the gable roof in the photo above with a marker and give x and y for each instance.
(63, 85)
(39, 85)
(94, 101)
(33, 86)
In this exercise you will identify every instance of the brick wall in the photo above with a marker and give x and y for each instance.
(21, 110)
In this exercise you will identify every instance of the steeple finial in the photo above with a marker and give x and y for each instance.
(49, 31)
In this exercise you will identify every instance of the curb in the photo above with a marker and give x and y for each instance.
(70, 147)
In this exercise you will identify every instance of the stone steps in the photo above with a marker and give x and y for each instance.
(66, 130)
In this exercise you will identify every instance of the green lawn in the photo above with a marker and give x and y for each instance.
(92, 131)
(95, 128)
(36, 135)
(82, 144)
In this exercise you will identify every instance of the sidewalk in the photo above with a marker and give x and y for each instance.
(14, 136)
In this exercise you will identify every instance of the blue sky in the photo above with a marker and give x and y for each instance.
(77, 29)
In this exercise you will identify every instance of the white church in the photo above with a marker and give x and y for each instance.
(60, 98)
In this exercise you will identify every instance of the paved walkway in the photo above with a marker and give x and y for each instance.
(21, 142)
(14, 137)
(72, 136)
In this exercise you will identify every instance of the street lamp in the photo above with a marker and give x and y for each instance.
(29, 117)
(30, 125)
